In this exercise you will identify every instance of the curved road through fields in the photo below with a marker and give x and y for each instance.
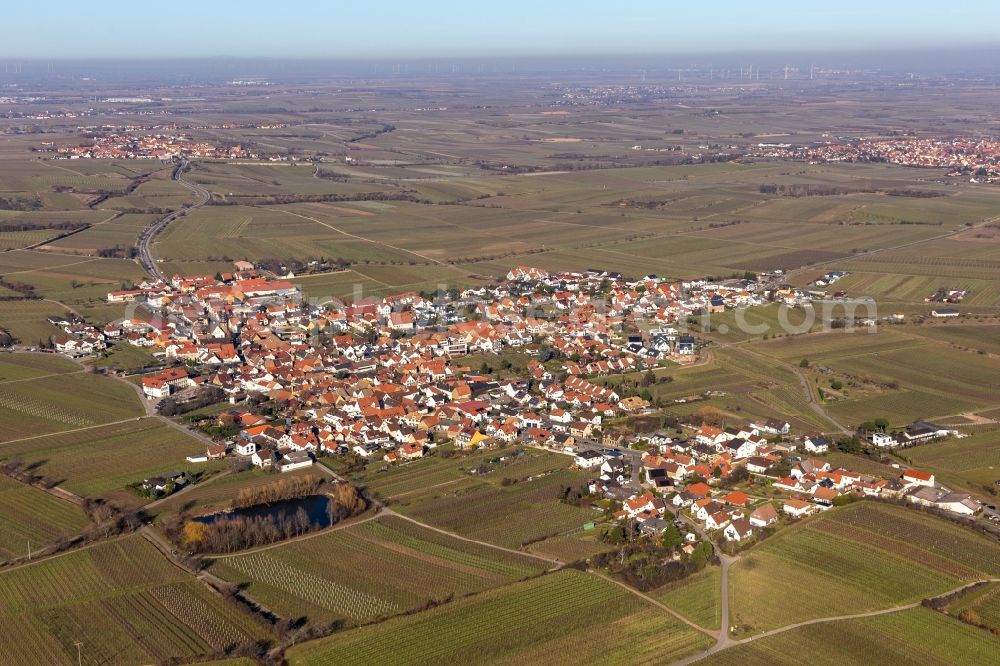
(146, 259)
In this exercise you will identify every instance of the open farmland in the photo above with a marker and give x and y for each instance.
(891, 373)
(972, 462)
(863, 557)
(122, 600)
(376, 568)
(984, 602)
(985, 338)
(22, 367)
(525, 508)
(562, 618)
(695, 597)
(31, 518)
(62, 402)
(102, 460)
(571, 547)
(917, 636)
(116, 231)
(26, 320)
(678, 221)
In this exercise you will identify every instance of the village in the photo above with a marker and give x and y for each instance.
(125, 144)
(970, 157)
(390, 379)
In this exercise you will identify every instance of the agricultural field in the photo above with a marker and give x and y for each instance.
(891, 373)
(27, 320)
(30, 517)
(66, 401)
(567, 221)
(863, 557)
(521, 510)
(103, 460)
(984, 602)
(741, 386)
(971, 462)
(571, 547)
(122, 600)
(567, 617)
(916, 636)
(984, 338)
(695, 597)
(116, 230)
(23, 367)
(126, 357)
(375, 568)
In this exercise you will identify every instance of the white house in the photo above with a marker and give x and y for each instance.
(738, 530)
(589, 459)
(816, 443)
(763, 515)
(245, 447)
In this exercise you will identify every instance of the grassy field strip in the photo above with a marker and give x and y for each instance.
(856, 559)
(32, 518)
(903, 636)
(568, 617)
(122, 600)
(54, 268)
(361, 238)
(330, 576)
(31, 379)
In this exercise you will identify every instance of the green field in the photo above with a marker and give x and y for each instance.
(102, 460)
(571, 547)
(49, 404)
(21, 367)
(914, 637)
(26, 320)
(126, 357)
(862, 557)
(984, 602)
(563, 618)
(122, 600)
(30, 517)
(377, 568)
(695, 597)
(891, 374)
(971, 462)
(442, 492)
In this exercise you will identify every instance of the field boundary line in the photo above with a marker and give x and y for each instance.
(559, 563)
(361, 238)
(31, 379)
(659, 604)
(66, 432)
(54, 268)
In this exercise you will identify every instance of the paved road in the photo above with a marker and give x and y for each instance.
(146, 259)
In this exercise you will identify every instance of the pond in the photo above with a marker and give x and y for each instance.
(315, 507)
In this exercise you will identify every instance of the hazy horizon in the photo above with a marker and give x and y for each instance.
(450, 29)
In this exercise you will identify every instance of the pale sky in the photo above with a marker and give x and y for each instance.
(450, 28)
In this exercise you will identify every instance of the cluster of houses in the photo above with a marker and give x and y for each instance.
(386, 377)
(829, 278)
(78, 338)
(688, 473)
(123, 145)
(918, 432)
